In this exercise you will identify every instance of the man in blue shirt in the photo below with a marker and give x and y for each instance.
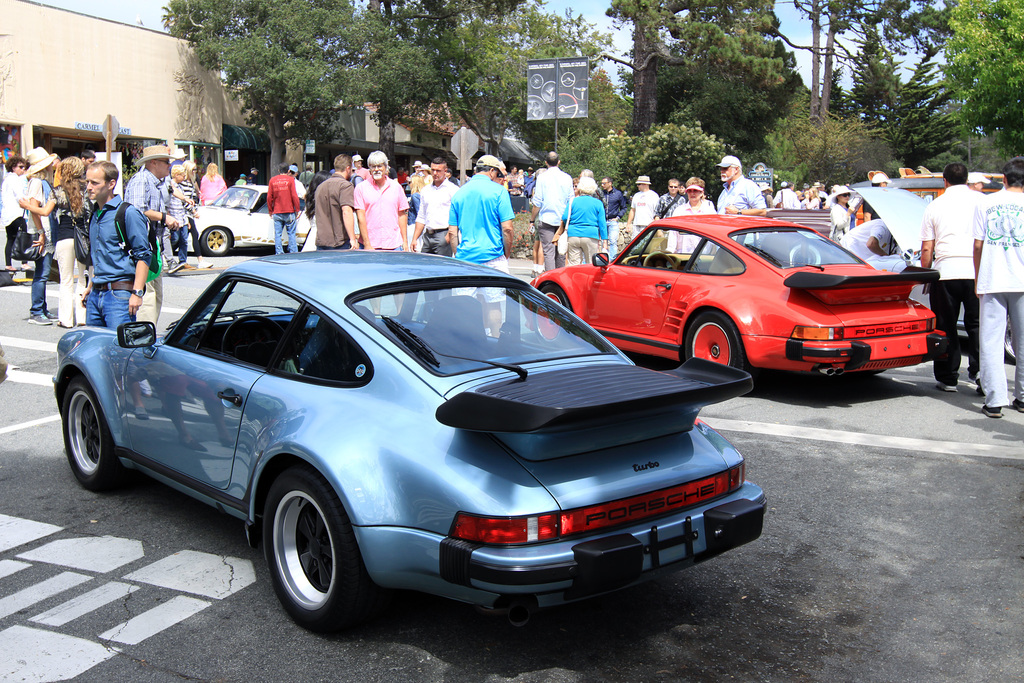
(115, 292)
(480, 219)
(615, 205)
(740, 195)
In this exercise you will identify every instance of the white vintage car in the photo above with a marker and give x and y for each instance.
(239, 218)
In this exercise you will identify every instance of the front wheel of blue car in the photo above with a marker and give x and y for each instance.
(315, 565)
(87, 440)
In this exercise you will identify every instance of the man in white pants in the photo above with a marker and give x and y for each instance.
(999, 280)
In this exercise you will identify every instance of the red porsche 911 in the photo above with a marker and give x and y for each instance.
(751, 293)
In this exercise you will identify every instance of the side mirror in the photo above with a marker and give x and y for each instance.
(600, 260)
(136, 335)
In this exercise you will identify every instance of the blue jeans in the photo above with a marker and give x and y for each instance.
(39, 280)
(285, 221)
(613, 238)
(108, 309)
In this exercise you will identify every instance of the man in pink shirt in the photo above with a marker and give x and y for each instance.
(382, 208)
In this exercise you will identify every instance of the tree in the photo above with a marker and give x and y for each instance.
(921, 124)
(679, 31)
(876, 81)
(279, 58)
(984, 64)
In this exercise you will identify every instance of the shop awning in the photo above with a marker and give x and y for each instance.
(242, 137)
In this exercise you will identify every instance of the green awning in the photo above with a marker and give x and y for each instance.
(241, 137)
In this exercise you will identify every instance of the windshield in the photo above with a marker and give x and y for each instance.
(452, 330)
(793, 248)
(236, 198)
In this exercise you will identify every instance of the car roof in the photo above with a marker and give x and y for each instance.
(329, 276)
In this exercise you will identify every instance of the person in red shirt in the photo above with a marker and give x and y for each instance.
(283, 204)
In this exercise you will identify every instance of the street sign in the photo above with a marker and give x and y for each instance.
(111, 128)
(761, 173)
(465, 144)
(557, 88)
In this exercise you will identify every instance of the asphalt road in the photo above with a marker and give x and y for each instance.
(893, 551)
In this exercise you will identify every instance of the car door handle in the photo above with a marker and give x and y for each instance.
(665, 285)
(230, 396)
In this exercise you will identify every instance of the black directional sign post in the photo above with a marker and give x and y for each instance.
(557, 89)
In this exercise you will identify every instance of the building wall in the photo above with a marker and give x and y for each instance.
(60, 68)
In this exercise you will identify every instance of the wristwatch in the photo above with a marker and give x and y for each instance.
(139, 292)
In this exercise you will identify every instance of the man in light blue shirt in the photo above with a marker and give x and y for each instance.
(740, 195)
(550, 196)
(480, 218)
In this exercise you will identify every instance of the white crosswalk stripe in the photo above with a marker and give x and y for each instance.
(151, 622)
(83, 604)
(43, 590)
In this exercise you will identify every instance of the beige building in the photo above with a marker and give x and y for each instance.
(62, 73)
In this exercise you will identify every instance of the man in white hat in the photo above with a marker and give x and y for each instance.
(357, 168)
(786, 198)
(976, 181)
(878, 179)
(641, 207)
(550, 196)
(740, 194)
(145, 191)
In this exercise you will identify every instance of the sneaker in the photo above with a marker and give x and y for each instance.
(203, 266)
(140, 413)
(178, 265)
(946, 387)
(1018, 405)
(979, 390)
(992, 412)
(51, 315)
(186, 266)
(39, 320)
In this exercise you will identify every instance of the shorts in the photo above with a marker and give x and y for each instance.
(492, 295)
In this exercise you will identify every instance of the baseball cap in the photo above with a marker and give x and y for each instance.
(293, 168)
(879, 178)
(728, 161)
(491, 161)
(785, 184)
(976, 177)
(356, 157)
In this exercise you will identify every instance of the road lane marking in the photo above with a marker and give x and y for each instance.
(17, 427)
(85, 603)
(32, 654)
(875, 440)
(92, 554)
(30, 344)
(212, 576)
(151, 622)
(15, 531)
(15, 602)
(37, 378)
(8, 567)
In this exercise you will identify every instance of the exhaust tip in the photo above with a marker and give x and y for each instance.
(518, 615)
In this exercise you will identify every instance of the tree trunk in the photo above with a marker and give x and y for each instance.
(387, 141)
(278, 141)
(826, 82)
(645, 81)
(815, 61)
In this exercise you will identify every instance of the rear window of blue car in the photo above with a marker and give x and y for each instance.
(460, 329)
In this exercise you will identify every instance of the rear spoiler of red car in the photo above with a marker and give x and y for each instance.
(589, 408)
(831, 288)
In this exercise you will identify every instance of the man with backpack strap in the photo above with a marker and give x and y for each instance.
(120, 267)
(146, 192)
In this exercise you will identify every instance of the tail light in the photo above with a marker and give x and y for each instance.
(552, 526)
(817, 333)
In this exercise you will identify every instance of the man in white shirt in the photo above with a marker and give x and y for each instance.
(300, 189)
(947, 245)
(999, 281)
(642, 206)
(873, 242)
(550, 196)
(786, 198)
(435, 204)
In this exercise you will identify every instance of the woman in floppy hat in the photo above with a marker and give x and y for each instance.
(39, 173)
(73, 211)
(841, 212)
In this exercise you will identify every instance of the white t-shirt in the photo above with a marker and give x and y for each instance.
(683, 208)
(999, 222)
(949, 221)
(300, 189)
(644, 204)
(856, 240)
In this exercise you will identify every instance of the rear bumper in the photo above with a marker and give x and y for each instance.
(570, 570)
(870, 353)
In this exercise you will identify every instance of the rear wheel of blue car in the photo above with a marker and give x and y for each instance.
(317, 571)
(87, 440)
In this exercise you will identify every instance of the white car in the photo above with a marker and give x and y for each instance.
(239, 218)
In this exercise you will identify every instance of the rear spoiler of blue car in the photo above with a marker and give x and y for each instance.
(589, 397)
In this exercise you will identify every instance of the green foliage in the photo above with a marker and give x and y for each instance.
(665, 151)
(876, 83)
(984, 64)
(921, 125)
(277, 57)
(832, 151)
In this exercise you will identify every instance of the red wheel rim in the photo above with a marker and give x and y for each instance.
(712, 343)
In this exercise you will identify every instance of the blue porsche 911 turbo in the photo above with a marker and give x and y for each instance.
(387, 421)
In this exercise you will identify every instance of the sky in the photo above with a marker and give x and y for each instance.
(150, 13)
